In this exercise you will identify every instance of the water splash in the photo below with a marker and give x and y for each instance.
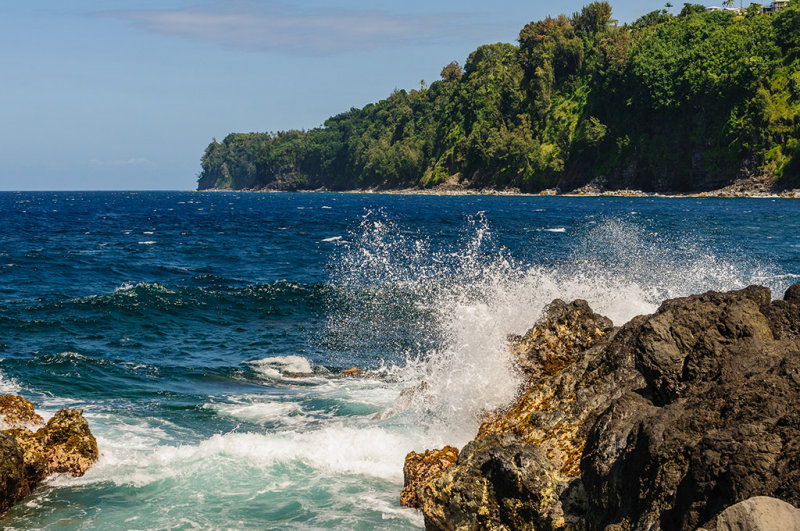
(454, 306)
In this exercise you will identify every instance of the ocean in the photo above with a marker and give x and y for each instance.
(204, 334)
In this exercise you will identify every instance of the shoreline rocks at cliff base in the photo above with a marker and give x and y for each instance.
(660, 424)
(64, 444)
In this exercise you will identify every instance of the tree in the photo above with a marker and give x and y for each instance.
(452, 72)
(592, 18)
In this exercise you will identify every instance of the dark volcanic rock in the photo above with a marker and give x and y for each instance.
(718, 422)
(661, 424)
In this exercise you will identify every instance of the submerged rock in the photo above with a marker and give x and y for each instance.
(660, 424)
(420, 469)
(353, 372)
(64, 445)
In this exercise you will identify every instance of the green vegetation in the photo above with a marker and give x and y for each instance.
(675, 103)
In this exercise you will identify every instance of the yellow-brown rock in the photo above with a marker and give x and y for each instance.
(546, 413)
(421, 469)
(64, 445)
(353, 372)
(16, 412)
(69, 445)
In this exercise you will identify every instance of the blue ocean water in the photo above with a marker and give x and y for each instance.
(203, 334)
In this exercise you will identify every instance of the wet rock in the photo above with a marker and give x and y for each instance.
(717, 422)
(64, 445)
(760, 513)
(499, 481)
(13, 484)
(661, 424)
(562, 334)
(69, 445)
(573, 378)
(16, 412)
(420, 469)
(353, 372)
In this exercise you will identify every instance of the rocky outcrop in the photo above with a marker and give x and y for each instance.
(569, 382)
(660, 424)
(760, 513)
(420, 469)
(63, 445)
(717, 423)
(499, 481)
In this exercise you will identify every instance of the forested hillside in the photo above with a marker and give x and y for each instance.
(680, 102)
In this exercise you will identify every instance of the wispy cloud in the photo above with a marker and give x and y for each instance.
(133, 161)
(274, 26)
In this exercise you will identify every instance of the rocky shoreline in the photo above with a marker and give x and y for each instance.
(63, 445)
(684, 419)
(587, 192)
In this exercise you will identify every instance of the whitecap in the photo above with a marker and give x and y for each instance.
(277, 366)
(558, 229)
(332, 239)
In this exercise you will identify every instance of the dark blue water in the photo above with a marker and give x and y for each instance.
(203, 333)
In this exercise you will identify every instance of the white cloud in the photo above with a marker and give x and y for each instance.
(274, 26)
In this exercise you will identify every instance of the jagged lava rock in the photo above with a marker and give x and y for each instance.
(760, 513)
(422, 468)
(717, 422)
(16, 412)
(571, 380)
(499, 481)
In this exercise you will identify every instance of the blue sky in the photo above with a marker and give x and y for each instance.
(126, 94)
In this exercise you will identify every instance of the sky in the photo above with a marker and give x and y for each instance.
(126, 94)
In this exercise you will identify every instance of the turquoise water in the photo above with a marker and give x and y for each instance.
(203, 334)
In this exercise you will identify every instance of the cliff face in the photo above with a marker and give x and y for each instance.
(660, 424)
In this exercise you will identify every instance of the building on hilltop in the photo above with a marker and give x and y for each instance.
(775, 6)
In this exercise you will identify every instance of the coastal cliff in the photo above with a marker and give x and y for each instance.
(684, 418)
(671, 103)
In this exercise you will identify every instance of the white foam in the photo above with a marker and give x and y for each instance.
(332, 239)
(260, 411)
(557, 229)
(275, 367)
